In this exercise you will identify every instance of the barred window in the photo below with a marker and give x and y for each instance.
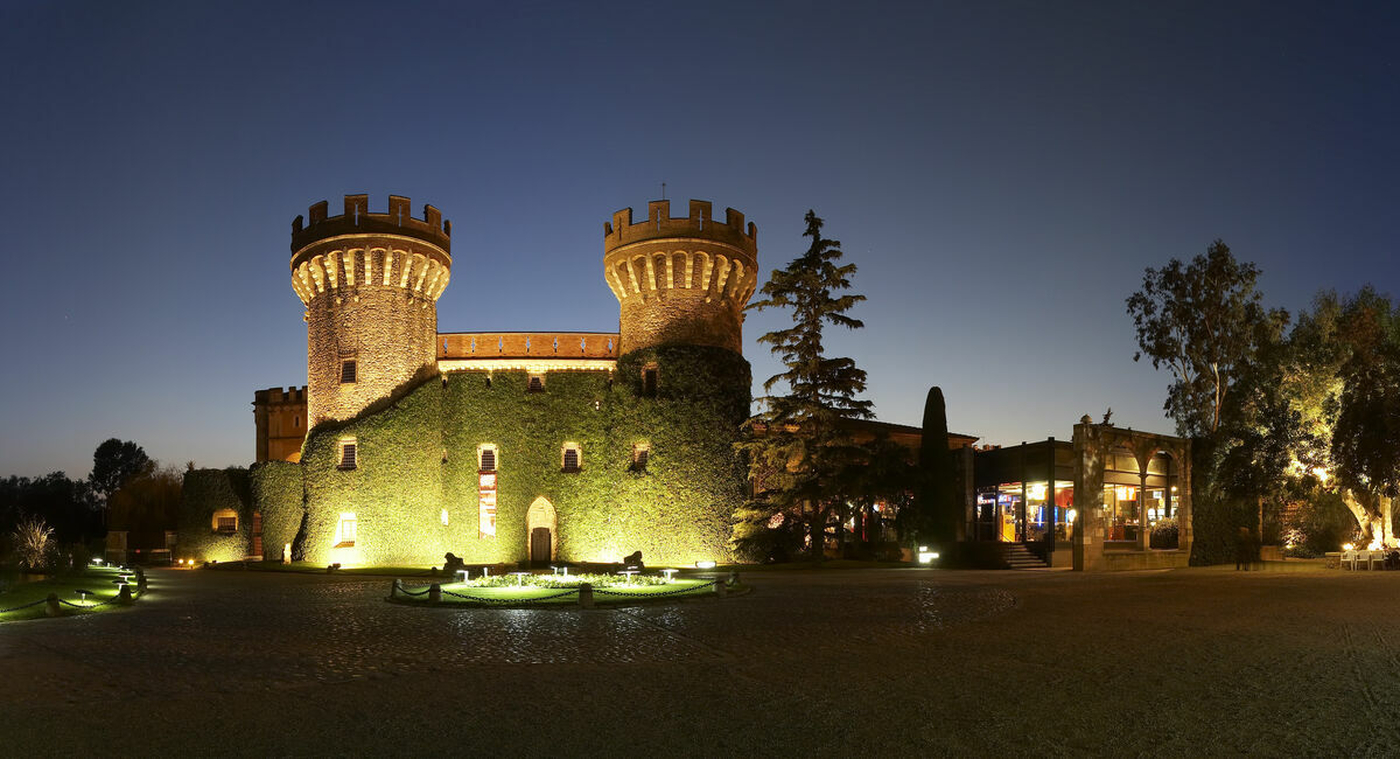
(649, 381)
(640, 453)
(487, 456)
(536, 383)
(225, 521)
(348, 454)
(347, 372)
(573, 458)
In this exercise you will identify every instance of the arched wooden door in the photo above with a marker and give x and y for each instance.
(541, 544)
(541, 525)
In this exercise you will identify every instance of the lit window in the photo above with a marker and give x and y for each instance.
(640, 453)
(649, 381)
(347, 372)
(573, 457)
(536, 383)
(347, 454)
(225, 521)
(486, 456)
(444, 517)
(345, 532)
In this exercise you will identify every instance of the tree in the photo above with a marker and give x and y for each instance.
(797, 449)
(936, 514)
(113, 463)
(148, 505)
(1365, 446)
(1203, 321)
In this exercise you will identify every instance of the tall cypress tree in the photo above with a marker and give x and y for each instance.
(800, 457)
(937, 504)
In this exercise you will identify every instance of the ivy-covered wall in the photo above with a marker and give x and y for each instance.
(417, 458)
(277, 493)
(206, 491)
(414, 490)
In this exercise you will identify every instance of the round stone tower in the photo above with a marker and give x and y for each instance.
(370, 283)
(680, 281)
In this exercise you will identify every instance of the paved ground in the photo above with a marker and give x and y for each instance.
(897, 662)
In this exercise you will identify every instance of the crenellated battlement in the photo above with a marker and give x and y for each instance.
(494, 345)
(277, 396)
(358, 219)
(699, 224)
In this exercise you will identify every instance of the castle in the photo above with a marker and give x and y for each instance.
(498, 447)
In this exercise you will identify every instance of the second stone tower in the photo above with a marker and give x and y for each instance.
(681, 281)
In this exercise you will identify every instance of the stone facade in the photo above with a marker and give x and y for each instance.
(370, 283)
(419, 407)
(280, 419)
(683, 280)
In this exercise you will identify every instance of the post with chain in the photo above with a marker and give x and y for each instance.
(52, 609)
(394, 589)
(585, 595)
(435, 593)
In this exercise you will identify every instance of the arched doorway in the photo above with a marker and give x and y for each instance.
(542, 531)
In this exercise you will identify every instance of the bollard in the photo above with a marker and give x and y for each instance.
(52, 609)
(721, 589)
(733, 578)
(435, 593)
(394, 589)
(124, 595)
(141, 580)
(585, 595)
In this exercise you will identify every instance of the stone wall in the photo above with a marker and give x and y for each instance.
(681, 281)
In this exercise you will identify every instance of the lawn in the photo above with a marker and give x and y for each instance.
(615, 591)
(25, 600)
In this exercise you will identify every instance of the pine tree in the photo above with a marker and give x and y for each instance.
(802, 462)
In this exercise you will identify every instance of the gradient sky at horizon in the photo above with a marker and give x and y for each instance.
(1001, 173)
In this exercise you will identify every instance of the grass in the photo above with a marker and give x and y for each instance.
(98, 580)
(528, 595)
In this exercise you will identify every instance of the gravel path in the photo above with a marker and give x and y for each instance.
(1173, 663)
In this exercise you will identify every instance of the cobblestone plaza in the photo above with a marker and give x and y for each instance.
(1181, 662)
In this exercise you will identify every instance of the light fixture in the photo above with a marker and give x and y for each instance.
(706, 564)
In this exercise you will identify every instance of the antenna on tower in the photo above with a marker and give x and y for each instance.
(663, 190)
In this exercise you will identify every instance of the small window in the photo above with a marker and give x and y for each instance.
(346, 531)
(536, 383)
(444, 518)
(640, 453)
(573, 458)
(487, 456)
(649, 382)
(296, 421)
(347, 372)
(347, 454)
(225, 521)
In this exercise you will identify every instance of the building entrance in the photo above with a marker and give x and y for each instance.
(540, 544)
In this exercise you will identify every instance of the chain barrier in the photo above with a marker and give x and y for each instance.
(408, 592)
(24, 606)
(513, 601)
(662, 594)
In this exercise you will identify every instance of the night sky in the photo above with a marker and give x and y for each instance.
(1000, 172)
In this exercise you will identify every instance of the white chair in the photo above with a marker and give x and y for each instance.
(1374, 558)
(1348, 558)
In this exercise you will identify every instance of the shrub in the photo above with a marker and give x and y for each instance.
(34, 544)
(1165, 534)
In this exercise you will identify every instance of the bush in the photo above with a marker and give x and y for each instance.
(1320, 523)
(1165, 534)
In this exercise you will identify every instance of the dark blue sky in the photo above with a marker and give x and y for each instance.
(1000, 172)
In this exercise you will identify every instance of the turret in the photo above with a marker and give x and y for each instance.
(680, 281)
(370, 283)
